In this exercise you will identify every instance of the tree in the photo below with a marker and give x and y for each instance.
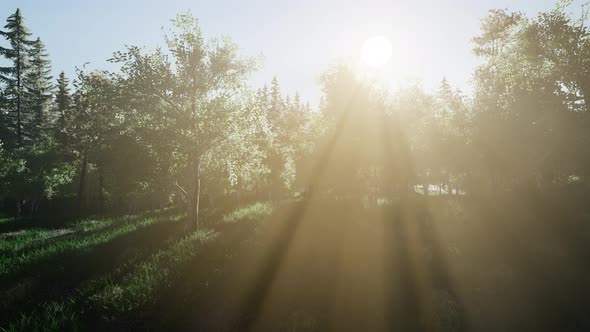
(13, 76)
(94, 126)
(31, 173)
(39, 88)
(353, 149)
(530, 98)
(277, 150)
(200, 101)
(63, 101)
(453, 123)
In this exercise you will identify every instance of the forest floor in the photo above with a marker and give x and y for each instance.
(438, 263)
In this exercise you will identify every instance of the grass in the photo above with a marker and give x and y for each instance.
(132, 284)
(139, 287)
(52, 316)
(255, 211)
(5, 220)
(129, 287)
(165, 275)
(87, 234)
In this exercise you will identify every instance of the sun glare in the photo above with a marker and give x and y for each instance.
(376, 51)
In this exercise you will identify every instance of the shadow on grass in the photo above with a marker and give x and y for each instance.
(27, 248)
(418, 264)
(415, 265)
(55, 277)
(13, 225)
(324, 266)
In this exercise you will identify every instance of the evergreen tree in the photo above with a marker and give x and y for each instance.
(63, 99)
(13, 76)
(39, 88)
(276, 101)
(297, 102)
(5, 132)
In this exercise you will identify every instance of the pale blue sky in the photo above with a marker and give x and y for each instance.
(298, 39)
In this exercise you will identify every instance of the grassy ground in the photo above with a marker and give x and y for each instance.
(438, 264)
(96, 272)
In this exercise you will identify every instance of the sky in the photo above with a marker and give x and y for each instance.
(298, 40)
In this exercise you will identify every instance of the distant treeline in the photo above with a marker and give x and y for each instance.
(180, 125)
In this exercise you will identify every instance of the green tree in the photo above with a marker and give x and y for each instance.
(14, 76)
(39, 88)
(93, 126)
(63, 102)
(530, 98)
(199, 100)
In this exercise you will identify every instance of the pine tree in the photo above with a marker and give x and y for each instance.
(39, 88)
(297, 102)
(276, 105)
(446, 93)
(295, 116)
(63, 98)
(5, 132)
(13, 76)
(276, 101)
(263, 98)
(287, 102)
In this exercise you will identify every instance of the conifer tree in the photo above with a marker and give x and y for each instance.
(276, 101)
(63, 99)
(13, 76)
(39, 88)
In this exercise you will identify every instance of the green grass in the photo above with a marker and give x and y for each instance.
(5, 220)
(19, 240)
(255, 211)
(139, 286)
(87, 234)
(131, 285)
(52, 316)
(136, 286)
(169, 277)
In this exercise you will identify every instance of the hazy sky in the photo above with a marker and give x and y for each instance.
(298, 39)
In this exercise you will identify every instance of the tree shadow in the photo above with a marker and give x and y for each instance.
(58, 277)
(342, 268)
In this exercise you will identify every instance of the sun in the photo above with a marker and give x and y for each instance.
(376, 51)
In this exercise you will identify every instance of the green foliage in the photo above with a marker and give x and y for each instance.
(531, 98)
(14, 92)
(63, 100)
(34, 171)
(180, 124)
(39, 89)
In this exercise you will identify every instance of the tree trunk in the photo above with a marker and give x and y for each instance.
(34, 209)
(100, 189)
(198, 203)
(586, 94)
(19, 209)
(19, 133)
(82, 185)
(195, 193)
